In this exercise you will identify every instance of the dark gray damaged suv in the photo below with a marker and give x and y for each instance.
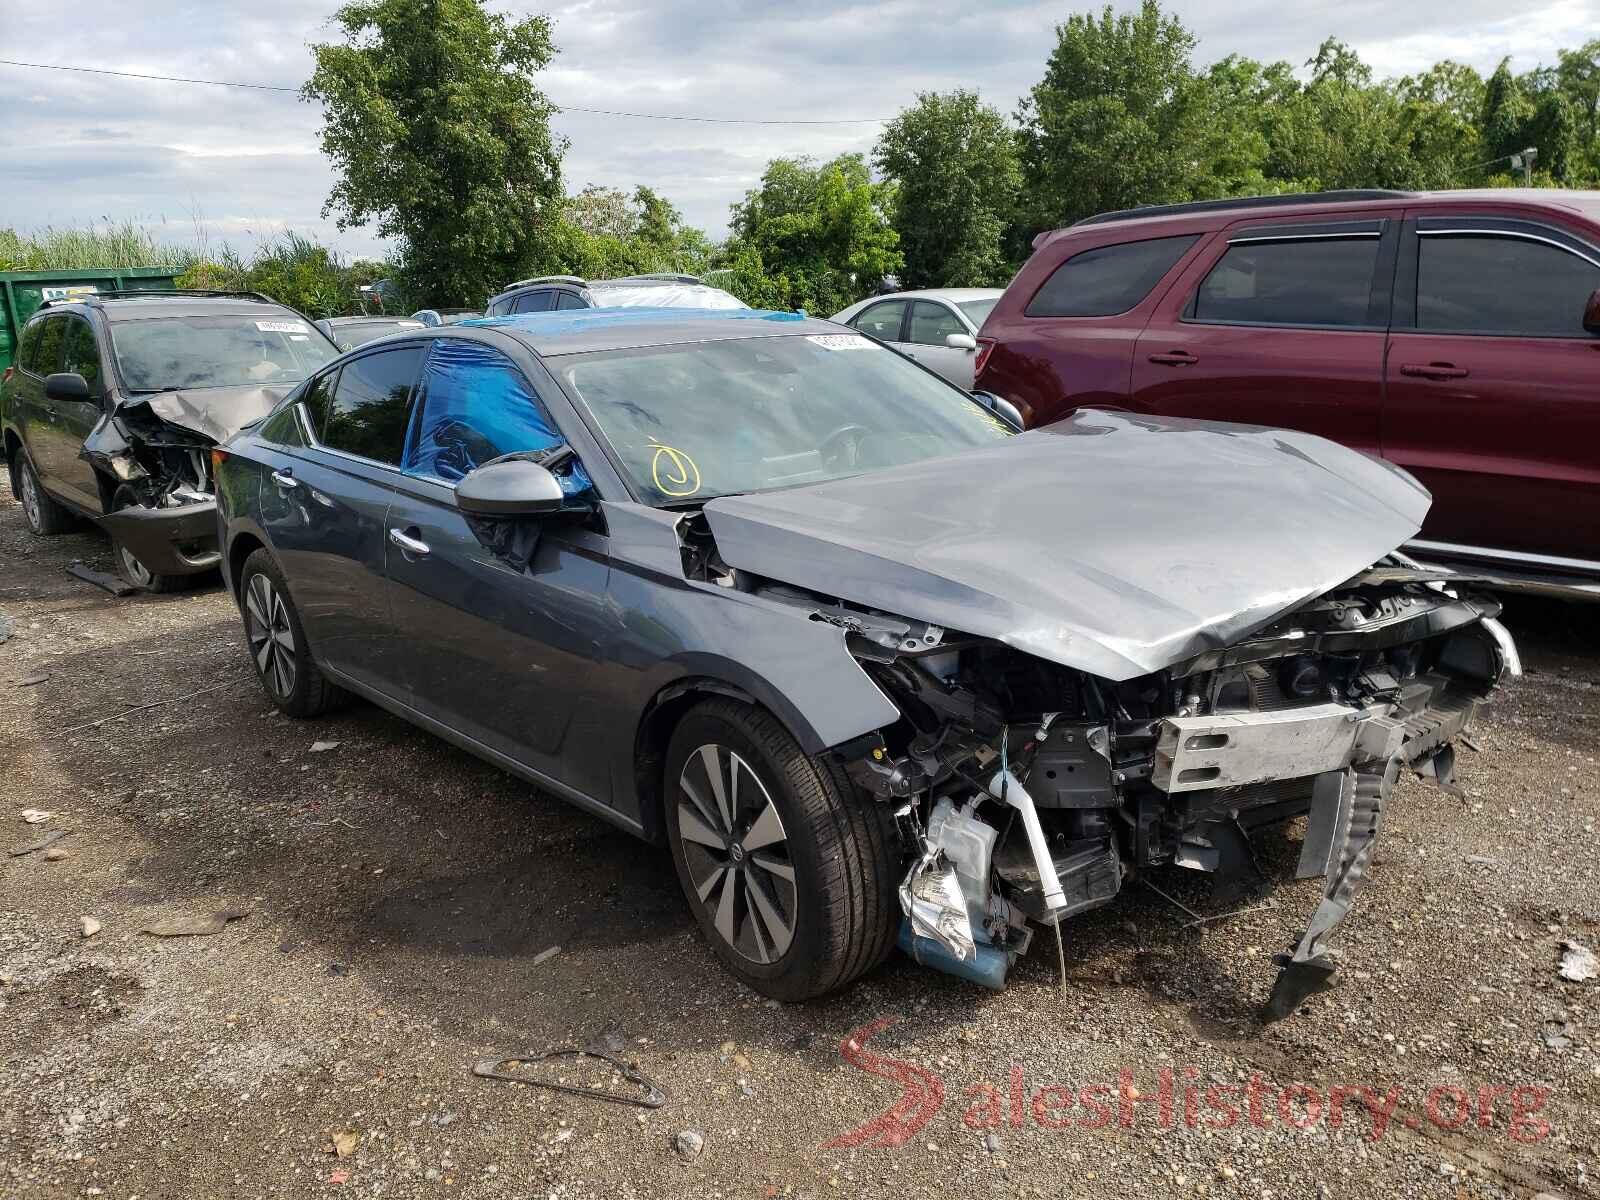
(872, 665)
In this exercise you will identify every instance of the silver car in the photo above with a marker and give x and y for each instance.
(937, 327)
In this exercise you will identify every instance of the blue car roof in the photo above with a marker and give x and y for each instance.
(578, 331)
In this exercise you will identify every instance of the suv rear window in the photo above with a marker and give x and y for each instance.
(1108, 279)
(1322, 282)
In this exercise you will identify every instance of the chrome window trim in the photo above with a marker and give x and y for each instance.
(1489, 231)
(1359, 235)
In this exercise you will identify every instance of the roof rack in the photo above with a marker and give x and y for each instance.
(156, 294)
(1281, 201)
(656, 277)
(546, 279)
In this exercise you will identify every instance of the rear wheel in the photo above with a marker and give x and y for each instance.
(44, 516)
(277, 642)
(791, 875)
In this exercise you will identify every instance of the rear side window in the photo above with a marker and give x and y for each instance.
(46, 357)
(566, 300)
(28, 347)
(1108, 279)
(882, 321)
(371, 404)
(532, 302)
(1501, 285)
(1322, 282)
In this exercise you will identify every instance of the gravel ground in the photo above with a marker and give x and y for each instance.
(399, 896)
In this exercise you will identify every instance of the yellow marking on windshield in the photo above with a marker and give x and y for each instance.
(680, 478)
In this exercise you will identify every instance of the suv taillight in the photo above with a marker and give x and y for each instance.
(985, 348)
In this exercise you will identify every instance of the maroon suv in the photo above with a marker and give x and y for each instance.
(1454, 333)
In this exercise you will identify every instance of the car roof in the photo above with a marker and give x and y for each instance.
(157, 306)
(580, 330)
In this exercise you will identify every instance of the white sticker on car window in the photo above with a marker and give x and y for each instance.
(299, 337)
(282, 326)
(839, 341)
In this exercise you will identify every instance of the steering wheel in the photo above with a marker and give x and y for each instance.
(837, 451)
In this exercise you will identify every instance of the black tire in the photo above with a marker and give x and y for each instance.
(44, 515)
(289, 675)
(841, 848)
(132, 569)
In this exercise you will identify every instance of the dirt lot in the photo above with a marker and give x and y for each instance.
(399, 893)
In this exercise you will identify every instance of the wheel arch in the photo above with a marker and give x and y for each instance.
(240, 548)
(654, 733)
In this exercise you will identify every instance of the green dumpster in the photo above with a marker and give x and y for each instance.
(21, 292)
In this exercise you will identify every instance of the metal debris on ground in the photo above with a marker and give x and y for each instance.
(650, 1095)
(55, 835)
(117, 587)
(1578, 963)
(35, 816)
(90, 926)
(322, 747)
(546, 954)
(141, 707)
(186, 926)
(32, 680)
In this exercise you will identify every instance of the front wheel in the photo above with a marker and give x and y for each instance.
(791, 875)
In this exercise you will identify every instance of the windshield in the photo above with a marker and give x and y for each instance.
(229, 350)
(977, 310)
(707, 419)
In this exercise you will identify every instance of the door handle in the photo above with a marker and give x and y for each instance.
(285, 479)
(1434, 370)
(1175, 358)
(408, 543)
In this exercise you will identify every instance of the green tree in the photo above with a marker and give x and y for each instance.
(432, 120)
(1507, 114)
(1579, 75)
(818, 236)
(1120, 118)
(954, 161)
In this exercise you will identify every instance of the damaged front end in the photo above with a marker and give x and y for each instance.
(1031, 790)
(154, 455)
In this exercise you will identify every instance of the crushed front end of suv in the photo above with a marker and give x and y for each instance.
(875, 667)
(117, 401)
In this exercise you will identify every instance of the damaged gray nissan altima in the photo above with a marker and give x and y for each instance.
(872, 664)
(116, 400)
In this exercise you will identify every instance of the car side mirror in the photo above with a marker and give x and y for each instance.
(514, 488)
(1002, 408)
(67, 385)
(960, 341)
(1591, 313)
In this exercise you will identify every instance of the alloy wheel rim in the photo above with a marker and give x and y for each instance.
(30, 499)
(271, 635)
(135, 570)
(737, 853)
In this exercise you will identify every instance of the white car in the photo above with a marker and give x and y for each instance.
(937, 327)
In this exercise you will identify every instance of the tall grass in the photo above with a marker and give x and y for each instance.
(114, 244)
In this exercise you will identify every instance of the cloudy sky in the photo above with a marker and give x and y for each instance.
(233, 165)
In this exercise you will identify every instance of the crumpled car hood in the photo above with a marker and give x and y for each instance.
(216, 413)
(1107, 542)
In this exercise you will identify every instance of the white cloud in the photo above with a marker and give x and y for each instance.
(239, 165)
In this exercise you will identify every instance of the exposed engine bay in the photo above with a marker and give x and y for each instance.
(155, 463)
(1029, 791)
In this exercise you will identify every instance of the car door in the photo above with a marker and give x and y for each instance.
(42, 432)
(501, 647)
(25, 390)
(1494, 384)
(324, 503)
(932, 321)
(76, 419)
(1277, 323)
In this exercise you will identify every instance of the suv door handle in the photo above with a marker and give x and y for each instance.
(285, 479)
(411, 545)
(1438, 370)
(1175, 358)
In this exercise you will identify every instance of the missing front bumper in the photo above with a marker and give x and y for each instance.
(168, 541)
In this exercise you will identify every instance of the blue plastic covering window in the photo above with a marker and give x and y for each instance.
(477, 406)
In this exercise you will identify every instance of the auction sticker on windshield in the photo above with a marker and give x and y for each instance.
(281, 326)
(839, 341)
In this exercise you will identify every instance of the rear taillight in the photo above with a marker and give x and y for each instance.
(985, 348)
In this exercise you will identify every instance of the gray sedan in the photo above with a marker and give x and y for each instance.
(938, 327)
(873, 666)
